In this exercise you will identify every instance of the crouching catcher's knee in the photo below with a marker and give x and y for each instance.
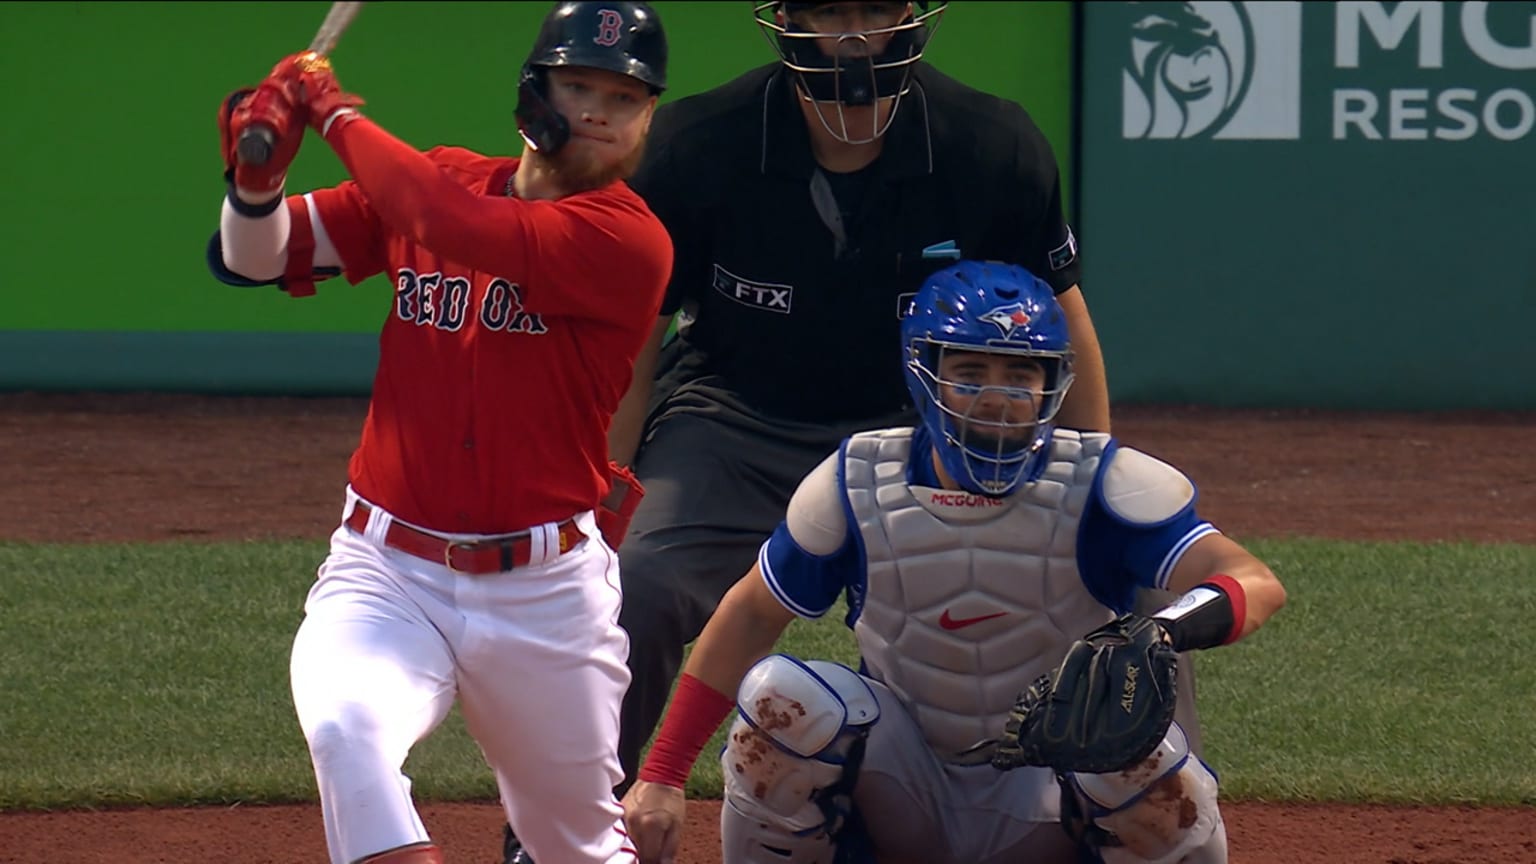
(1162, 810)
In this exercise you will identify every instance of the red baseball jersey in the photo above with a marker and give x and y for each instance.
(511, 338)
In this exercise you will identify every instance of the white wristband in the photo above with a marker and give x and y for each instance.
(325, 128)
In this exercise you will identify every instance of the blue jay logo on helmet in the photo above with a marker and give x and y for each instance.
(992, 435)
(1007, 318)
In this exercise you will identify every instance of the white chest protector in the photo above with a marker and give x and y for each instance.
(969, 599)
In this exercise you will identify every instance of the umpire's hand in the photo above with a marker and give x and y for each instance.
(653, 812)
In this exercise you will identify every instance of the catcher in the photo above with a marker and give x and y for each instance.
(989, 562)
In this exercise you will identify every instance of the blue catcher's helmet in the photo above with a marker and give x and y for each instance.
(991, 434)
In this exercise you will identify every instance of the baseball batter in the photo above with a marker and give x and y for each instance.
(469, 562)
(973, 550)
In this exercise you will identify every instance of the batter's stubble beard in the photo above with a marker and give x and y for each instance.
(582, 171)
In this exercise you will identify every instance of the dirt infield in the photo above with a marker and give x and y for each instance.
(93, 468)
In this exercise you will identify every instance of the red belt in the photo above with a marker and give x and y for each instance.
(478, 557)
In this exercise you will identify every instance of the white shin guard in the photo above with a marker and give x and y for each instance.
(1162, 811)
(790, 758)
(747, 840)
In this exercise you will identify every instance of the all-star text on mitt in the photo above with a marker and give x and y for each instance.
(1105, 708)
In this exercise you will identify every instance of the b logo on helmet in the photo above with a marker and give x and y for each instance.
(608, 23)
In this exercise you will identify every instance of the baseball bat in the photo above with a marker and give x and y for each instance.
(256, 141)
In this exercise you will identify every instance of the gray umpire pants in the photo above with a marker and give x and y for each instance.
(718, 477)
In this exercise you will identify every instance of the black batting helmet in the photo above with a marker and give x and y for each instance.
(626, 38)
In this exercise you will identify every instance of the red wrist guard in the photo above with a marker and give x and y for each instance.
(697, 711)
(1234, 591)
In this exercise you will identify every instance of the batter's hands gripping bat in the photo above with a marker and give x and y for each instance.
(256, 141)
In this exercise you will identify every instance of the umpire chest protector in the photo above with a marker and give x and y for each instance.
(968, 599)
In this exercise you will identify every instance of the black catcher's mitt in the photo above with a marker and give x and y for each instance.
(1105, 708)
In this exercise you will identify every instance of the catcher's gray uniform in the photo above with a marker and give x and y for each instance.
(957, 602)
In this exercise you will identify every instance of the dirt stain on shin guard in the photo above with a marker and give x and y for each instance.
(1158, 822)
(754, 745)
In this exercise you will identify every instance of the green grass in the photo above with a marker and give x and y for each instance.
(1395, 673)
(158, 674)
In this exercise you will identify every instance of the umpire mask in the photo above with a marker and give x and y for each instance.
(850, 54)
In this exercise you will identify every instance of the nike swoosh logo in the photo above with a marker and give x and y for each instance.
(949, 623)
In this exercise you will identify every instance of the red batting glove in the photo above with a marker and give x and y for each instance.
(271, 105)
(316, 88)
(228, 135)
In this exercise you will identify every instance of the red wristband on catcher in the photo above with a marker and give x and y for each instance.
(697, 711)
(1239, 598)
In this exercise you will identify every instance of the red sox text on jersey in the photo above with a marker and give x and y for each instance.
(509, 344)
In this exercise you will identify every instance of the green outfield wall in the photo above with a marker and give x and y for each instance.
(1324, 204)
(111, 174)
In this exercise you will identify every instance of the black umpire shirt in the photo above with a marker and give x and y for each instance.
(792, 301)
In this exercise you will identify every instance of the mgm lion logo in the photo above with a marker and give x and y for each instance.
(1188, 67)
